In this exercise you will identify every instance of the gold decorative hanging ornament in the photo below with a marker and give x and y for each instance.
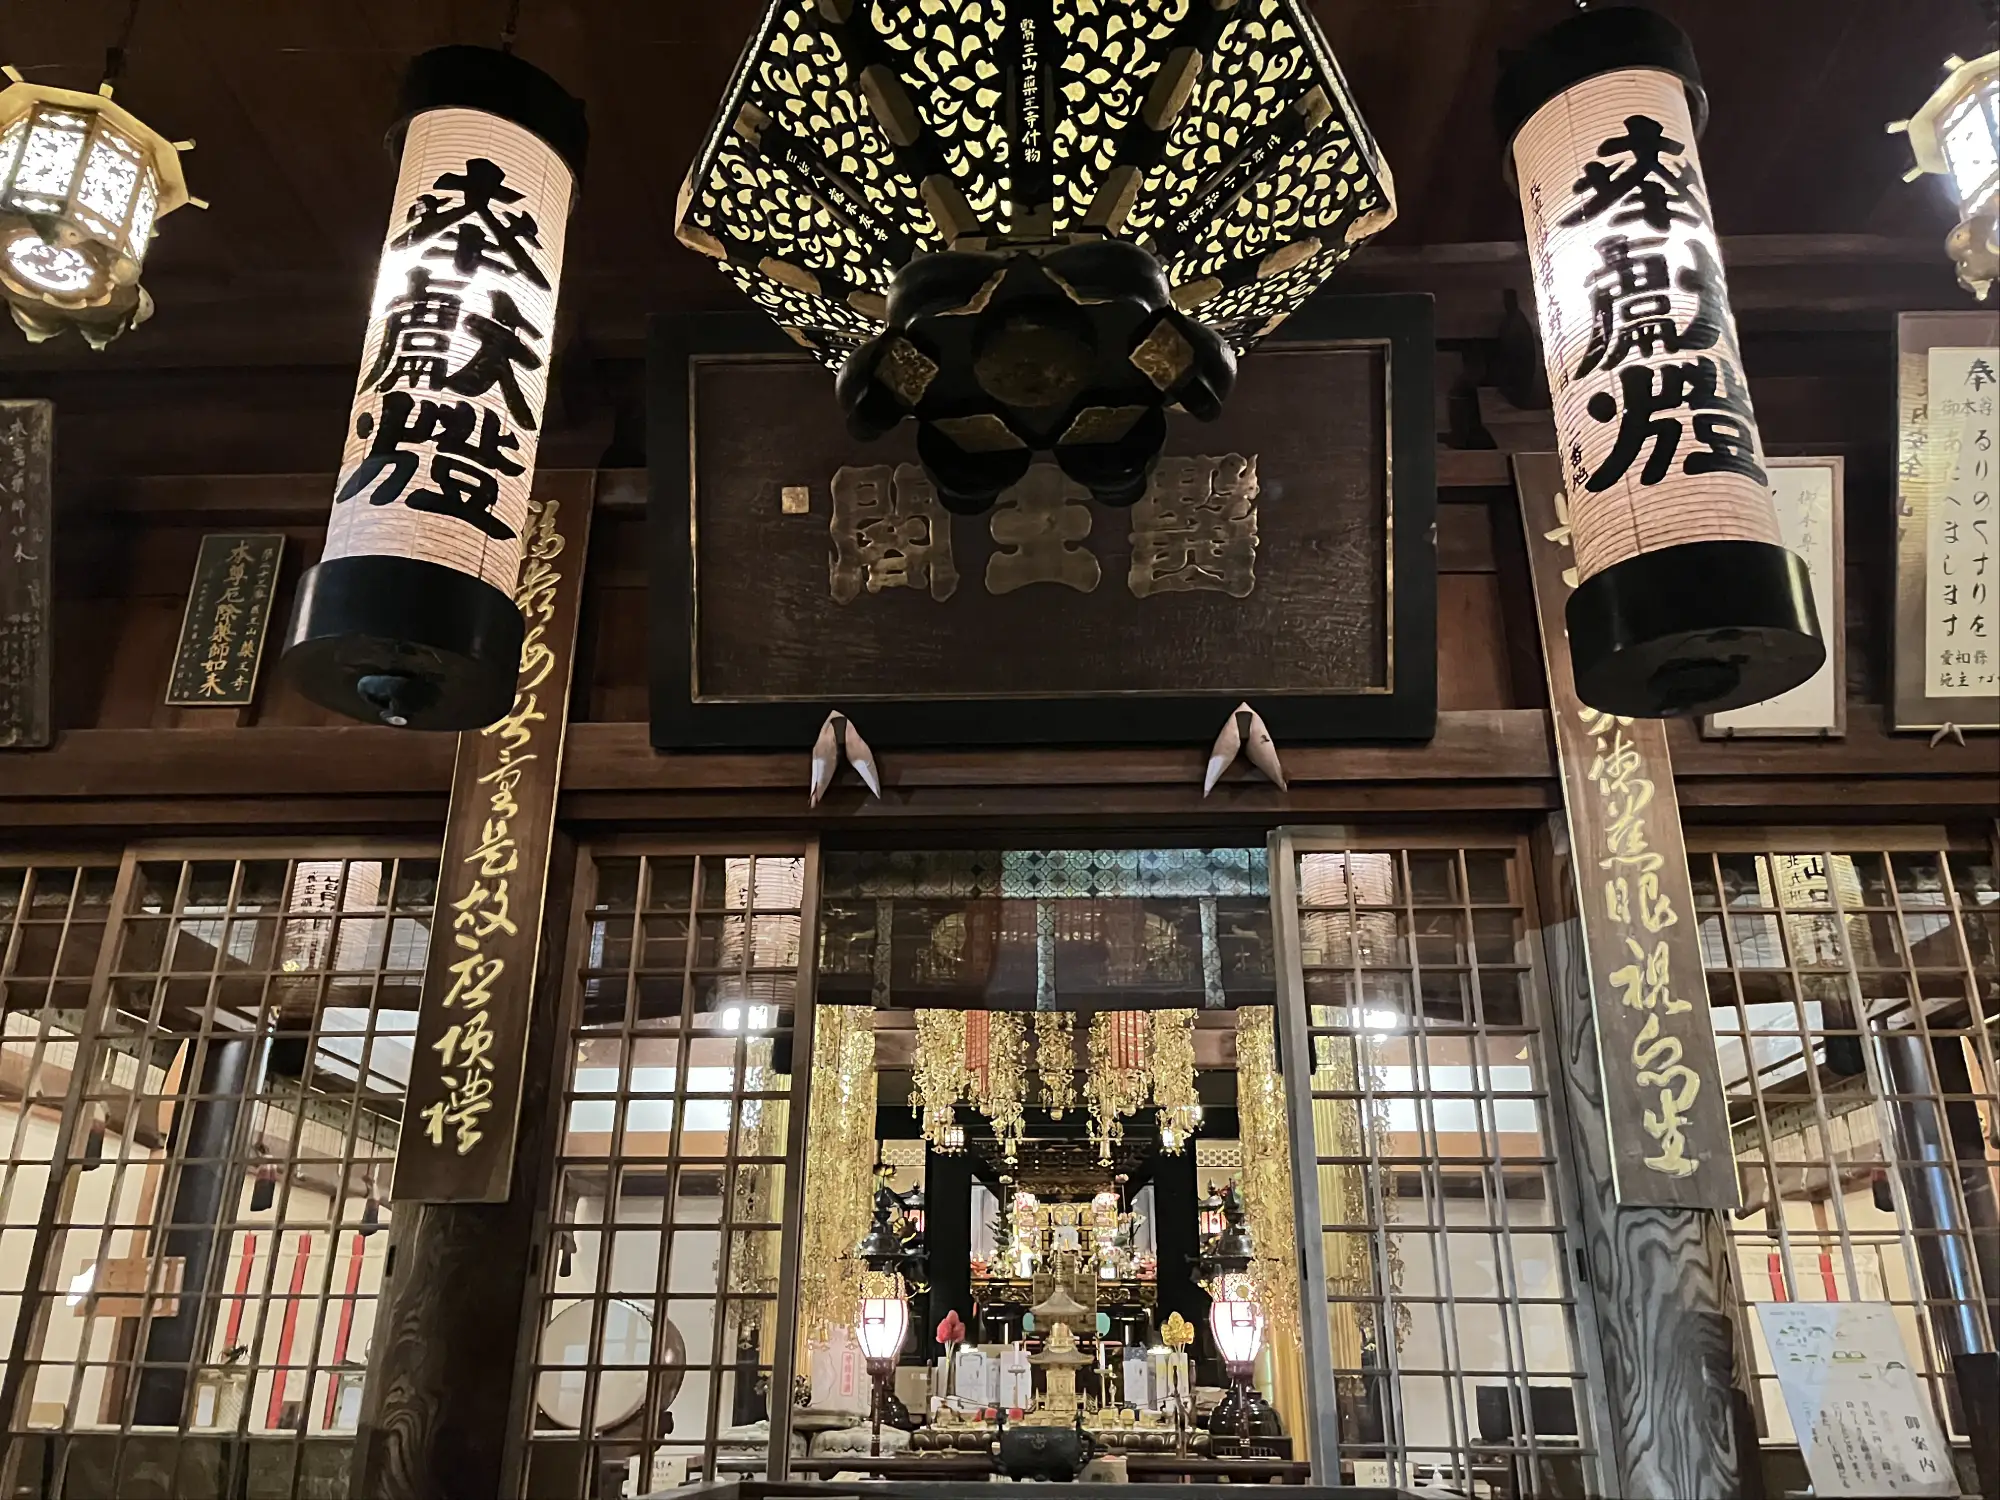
(83, 184)
(1687, 600)
(1118, 1079)
(840, 1168)
(1267, 1168)
(1957, 136)
(409, 618)
(1001, 1086)
(1174, 1090)
(940, 1079)
(1055, 1060)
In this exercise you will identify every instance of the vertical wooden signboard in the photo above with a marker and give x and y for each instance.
(1664, 1103)
(463, 1108)
(27, 455)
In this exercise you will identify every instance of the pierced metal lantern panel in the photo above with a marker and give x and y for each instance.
(82, 184)
(858, 135)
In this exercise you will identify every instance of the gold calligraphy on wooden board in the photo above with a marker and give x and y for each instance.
(1195, 529)
(462, 1112)
(27, 457)
(228, 612)
(1665, 1106)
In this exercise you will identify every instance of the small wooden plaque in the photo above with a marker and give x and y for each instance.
(27, 458)
(228, 614)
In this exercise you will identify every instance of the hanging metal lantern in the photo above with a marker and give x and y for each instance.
(1034, 226)
(409, 617)
(1686, 602)
(1957, 135)
(83, 183)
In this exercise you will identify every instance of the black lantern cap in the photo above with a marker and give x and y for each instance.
(1699, 628)
(1597, 41)
(882, 1249)
(404, 642)
(1231, 1250)
(496, 83)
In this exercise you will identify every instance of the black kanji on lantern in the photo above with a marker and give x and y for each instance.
(417, 335)
(482, 237)
(1632, 308)
(473, 451)
(501, 349)
(1648, 189)
(1649, 410)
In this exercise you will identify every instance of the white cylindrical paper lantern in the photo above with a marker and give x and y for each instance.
(409, 617)
(1686, 601)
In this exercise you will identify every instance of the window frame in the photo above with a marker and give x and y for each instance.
(1287, 844)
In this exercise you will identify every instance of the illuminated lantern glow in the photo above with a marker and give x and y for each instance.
(409, 617)
(1236, 1318)
(1686, 600)
(83, 185)
(1957, 135)
(883, 1317)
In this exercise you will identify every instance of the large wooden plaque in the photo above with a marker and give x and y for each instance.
(463, 1110)
(1283, 554)
(1664, 1103)
(27, 458)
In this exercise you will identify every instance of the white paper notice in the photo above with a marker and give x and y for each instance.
(1961, 567)
(1803, 492)
(1863, 1422)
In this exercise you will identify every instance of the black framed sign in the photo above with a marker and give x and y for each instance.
(1284, 554)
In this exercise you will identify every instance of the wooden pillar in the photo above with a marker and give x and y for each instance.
(1657, 1280)
(1177, 1239)
(948, 1239)
(452, 1334)
(455, 1328)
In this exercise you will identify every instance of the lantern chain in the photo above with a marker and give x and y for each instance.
(510, 28)
(114, 55)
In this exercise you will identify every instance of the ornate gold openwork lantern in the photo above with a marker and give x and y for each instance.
(1687, 600)
(83, 182)
(1034, 227)
(1957, 135)
(409, 618)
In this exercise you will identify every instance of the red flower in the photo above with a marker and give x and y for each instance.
(952, 1329)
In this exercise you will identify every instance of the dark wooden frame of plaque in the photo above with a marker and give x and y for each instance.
(1911, 707)
(1405, 709)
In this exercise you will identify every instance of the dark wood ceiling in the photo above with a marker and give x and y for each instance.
(288, 99)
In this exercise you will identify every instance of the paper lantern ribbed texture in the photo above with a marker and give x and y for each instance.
(409, 617)
(1687, 601)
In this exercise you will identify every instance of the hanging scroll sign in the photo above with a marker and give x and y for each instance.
(409, 617)
(1687, 599)
(1947, 638)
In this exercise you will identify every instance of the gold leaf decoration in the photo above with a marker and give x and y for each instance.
(840, 1168)
(1267, 1169)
